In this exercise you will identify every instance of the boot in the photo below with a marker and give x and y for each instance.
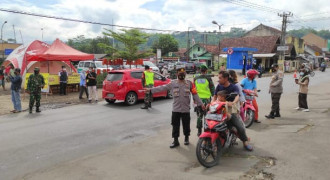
(30, 109)
(199, 132)
(186, 140)
(175, 143)
(38, 110)
(277, 114)
(270, 116)
(145, 106)
(149, 104)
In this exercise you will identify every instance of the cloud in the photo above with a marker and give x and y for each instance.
(159, 14)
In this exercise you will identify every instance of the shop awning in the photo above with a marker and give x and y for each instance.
(264, 55)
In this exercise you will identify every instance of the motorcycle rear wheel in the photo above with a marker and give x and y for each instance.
(206, 150)
(249, 118)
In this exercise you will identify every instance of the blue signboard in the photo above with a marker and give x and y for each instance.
(8, 51)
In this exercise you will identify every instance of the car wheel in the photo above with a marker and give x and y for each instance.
(131, 98)
(110, 101)
(169, 95)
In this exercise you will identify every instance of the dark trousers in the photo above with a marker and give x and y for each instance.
(234, 121)
(63, 88)
(148, 95)
(176, 117)
(82, 90)
(275, 102)
(302, 100)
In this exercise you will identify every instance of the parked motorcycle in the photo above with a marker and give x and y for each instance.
(247, 111)
(217, 136)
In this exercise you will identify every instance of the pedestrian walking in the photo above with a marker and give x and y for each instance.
(63, 75)
(91, 85)
(35, 83)
(276, 90)
(16, 83)
(147, 82)
(182, 91)
(205, 90)
(303, 83)
(2, 78)
(83, 86)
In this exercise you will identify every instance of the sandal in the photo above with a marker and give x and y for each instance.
(248, 147)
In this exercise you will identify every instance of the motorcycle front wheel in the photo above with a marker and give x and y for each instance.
(249, 118)
(208, 154)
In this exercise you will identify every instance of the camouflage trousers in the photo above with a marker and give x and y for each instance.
(148, 95)
(201, 114)
(35, 97)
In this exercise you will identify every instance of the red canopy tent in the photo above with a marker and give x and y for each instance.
(59, 51)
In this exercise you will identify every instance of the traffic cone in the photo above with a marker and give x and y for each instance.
(295, 74)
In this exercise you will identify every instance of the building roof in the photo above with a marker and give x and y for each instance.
(213, 49)
(264, 44)
(180, 52)
(314, 48)
(262, 26)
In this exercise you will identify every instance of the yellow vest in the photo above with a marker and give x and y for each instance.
(149, 78)
(203, 89)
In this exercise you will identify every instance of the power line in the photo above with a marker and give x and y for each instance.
(83, 21)
(253, 6)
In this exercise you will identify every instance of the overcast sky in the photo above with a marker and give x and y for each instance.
(175, 15)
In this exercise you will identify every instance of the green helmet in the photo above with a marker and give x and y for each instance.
(203, 68)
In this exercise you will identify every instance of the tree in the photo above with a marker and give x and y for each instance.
(131, 40)
(167, 43)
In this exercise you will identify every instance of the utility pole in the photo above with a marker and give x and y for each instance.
(14, 33)
(285, 16)
(188, 46)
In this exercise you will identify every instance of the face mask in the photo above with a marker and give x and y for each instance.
(36, 72)
(64, 69)
(301, 73)
(181, 76)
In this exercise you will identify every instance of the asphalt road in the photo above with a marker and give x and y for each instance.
(31, 142)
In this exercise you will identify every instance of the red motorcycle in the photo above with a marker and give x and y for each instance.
(247, 110)
(216, 137)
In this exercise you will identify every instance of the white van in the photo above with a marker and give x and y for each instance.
(84, 65)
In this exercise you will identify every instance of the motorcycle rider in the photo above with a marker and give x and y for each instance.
(182, 90)
(224, 84)
(205, 89)
(251, 84)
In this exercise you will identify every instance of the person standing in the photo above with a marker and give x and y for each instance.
(2, 78)
(82, 84)
(173, 73)
(222, 67)
(147, 82)
(276, 90)
(303, 90)
(16, 83)
(91, 85)
(205, 90)
(35, 83)
(251, 84)
(63, 80)
(182, 91)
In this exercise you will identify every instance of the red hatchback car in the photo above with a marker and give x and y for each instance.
(126, 85)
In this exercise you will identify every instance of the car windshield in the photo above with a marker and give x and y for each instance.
(115, 76)
(100, 65)
(149, 63)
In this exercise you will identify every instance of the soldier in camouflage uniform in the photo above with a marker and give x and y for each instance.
(35, 83)
(173, 73)
(205, 90)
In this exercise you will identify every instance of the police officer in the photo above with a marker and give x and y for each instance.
(147, 82)
(182, 90)
(205, 90)
(35, 83)
(276, 89)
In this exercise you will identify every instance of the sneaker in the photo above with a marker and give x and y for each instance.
(305, 110)
(297, 108)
